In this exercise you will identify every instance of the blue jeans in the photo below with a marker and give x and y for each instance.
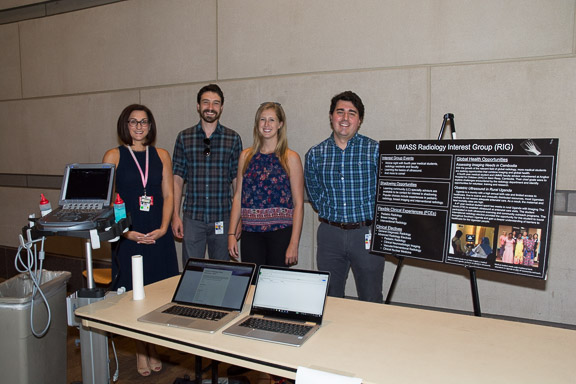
(340, 250)
(198, 235)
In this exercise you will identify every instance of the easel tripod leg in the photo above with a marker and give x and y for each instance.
(394, 280)
(474, 287)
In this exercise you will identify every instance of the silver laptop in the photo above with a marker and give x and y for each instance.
(85, 198)
(288, 306)
(210, 294)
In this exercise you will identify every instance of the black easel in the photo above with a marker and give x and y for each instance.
(394, 279)
(474, 288)
(448, 118)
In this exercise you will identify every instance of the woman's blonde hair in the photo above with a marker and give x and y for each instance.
(281, 149)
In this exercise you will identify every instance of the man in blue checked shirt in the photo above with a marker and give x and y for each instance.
(341, 177)
(205, 162)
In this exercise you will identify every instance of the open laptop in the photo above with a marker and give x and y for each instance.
(290, 300)
(85, 198)
(209, 295)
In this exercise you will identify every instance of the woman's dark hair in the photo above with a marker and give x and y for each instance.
(124, 130)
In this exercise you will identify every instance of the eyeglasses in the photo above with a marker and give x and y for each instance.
(134, 123)
(206, 147)
(273, 102)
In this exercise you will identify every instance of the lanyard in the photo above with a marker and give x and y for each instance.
(143, 175)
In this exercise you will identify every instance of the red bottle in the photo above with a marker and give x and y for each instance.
(45, 207)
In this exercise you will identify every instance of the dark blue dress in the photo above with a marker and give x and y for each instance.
(159, 260)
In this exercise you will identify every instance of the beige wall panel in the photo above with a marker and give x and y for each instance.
(307, 248)
(308, 36)
(41, 136)
(9, 63)
(513, 100)
(174, 109)
(14, 145)
(395, 101)
(128, 44)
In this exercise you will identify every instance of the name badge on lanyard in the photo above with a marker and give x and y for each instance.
(145, 202)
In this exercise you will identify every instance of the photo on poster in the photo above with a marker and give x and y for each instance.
(472, 244)
(519, 245)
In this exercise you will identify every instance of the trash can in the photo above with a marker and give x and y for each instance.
(25, 358)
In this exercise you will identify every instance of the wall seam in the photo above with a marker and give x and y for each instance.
(218, 40)
(279, 76)
(20, 63)
(574, 29)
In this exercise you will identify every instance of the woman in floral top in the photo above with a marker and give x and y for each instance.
(269, 196)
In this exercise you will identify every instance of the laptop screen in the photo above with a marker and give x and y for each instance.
(291, 293)
(91, 183)
(215, 284)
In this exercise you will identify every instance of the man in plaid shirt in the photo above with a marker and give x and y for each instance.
(205, 162)
(341, 175)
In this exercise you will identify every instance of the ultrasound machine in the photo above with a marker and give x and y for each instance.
(84, 211)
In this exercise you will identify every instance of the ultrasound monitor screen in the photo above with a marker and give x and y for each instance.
(88, 184)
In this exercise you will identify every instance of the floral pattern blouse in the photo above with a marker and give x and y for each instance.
(266, 195)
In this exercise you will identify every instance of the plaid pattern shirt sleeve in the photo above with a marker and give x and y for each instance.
(235, 156)
(341, 184)
(178, 159)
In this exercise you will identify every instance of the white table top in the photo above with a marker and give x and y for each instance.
(376, 342)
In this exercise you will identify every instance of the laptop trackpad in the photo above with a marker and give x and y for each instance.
(177, 321)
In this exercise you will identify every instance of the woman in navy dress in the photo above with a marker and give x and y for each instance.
(144, 182)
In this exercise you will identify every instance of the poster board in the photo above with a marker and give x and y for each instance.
(460, 202)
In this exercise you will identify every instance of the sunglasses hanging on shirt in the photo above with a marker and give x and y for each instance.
(206, 147)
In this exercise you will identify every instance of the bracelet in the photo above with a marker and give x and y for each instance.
(231, 234)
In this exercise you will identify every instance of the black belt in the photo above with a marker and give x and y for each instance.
(361, 224)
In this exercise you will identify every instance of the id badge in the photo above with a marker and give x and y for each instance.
(219, 228)
(367, 240)
(145, 203)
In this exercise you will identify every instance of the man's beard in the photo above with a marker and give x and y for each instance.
(210, 119)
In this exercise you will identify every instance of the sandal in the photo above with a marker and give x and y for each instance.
(153, 359)
(156, 367)
(143, 370)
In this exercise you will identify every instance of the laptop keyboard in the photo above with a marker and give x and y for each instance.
(71, 212)
(196, 313)
(83, 207)
(77, 215)
(276, 326)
